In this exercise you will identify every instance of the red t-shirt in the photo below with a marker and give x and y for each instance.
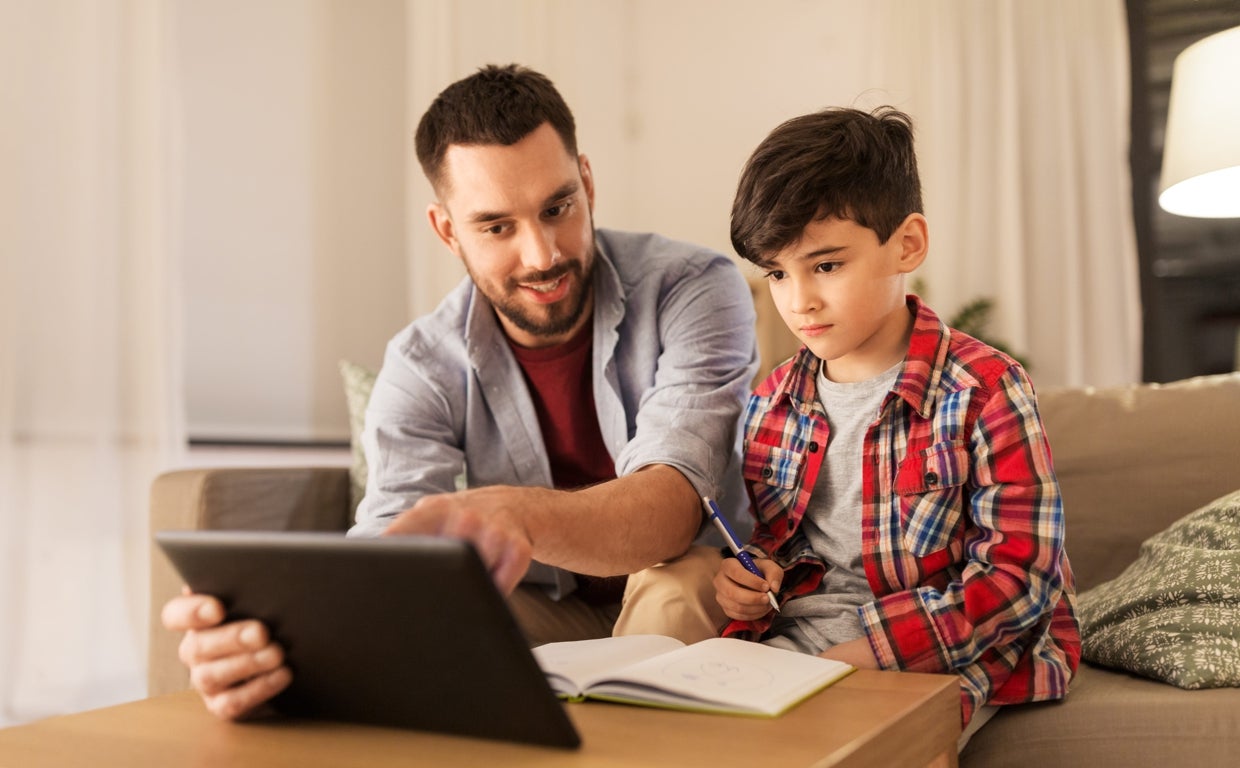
(561, 384)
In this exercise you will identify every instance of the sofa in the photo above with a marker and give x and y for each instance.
(1130, 460)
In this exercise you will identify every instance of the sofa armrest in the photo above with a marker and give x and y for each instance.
(280, 499)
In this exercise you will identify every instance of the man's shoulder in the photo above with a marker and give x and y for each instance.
(650, 270)
(639, 254)
(440, 331)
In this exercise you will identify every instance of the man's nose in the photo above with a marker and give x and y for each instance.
(539, 251)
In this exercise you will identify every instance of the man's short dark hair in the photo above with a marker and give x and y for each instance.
(837, 162)
(495, 105)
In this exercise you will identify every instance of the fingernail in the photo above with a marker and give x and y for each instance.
(209, 611)
(267, 656)
(279, 678)
(250, 636)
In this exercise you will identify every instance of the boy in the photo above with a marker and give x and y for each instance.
(908, 516)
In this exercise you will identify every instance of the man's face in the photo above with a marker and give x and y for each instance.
(519, 217)
(842, 293)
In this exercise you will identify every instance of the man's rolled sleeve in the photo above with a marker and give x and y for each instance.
(689, 418)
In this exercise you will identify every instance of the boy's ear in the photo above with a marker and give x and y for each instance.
(913, 239)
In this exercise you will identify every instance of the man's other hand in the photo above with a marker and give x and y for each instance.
(235, 667)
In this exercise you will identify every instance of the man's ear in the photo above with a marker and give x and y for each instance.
(587, 177)
(441, 222)
(913, 239)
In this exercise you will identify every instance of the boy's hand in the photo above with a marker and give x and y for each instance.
(741, 594)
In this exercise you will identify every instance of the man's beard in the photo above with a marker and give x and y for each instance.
(556, 319)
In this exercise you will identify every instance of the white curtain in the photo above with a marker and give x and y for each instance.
(88, 398)
(1023, 136)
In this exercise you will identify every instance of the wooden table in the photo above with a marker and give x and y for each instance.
(867, 719)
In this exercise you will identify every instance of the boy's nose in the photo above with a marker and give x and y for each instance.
(804, 298)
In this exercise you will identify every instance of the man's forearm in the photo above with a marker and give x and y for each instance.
(620, 526)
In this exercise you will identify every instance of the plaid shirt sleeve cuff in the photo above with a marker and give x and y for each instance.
(902, 634)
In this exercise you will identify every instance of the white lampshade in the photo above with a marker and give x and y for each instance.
(1201, 151)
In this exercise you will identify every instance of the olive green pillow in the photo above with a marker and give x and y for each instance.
(1174, 614)
(358, 382)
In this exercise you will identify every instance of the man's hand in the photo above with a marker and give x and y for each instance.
(235, 667)
(741, 594)
(486, 517)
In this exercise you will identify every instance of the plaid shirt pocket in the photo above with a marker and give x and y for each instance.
(773, 475)
(930, 486)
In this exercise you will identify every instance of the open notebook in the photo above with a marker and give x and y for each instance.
(401, 631)
(716, 675)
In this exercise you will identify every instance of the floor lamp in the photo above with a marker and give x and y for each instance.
(1201, 150)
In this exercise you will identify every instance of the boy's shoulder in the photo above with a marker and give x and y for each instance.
(967, 354)
(950, 358)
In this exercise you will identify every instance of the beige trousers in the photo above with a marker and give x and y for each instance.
(675, 598)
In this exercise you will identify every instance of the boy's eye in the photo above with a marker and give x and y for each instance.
(775, 275)
(827, 267)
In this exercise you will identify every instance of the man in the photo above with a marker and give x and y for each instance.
(585, 384)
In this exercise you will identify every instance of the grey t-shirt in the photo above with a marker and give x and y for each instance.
(832, 522)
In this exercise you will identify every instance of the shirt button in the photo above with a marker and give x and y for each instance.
(932, 478)
(813, 446)
(767, 472)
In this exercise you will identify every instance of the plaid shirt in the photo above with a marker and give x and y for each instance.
(962, 523)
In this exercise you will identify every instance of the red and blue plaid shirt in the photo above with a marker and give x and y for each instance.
(962, 522)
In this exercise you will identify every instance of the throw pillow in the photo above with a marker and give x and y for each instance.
(358, 382)
(1174, 614)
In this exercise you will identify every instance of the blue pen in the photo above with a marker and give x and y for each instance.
(712, 511)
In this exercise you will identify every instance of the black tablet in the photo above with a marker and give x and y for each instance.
(404, 631)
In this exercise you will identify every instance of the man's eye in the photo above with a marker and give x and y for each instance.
(556, 210)
(495, 229)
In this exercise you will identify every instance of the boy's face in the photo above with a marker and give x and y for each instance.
(519, 217)
(842, 293)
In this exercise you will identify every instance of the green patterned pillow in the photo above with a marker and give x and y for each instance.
(358, 382)
(1174, 614)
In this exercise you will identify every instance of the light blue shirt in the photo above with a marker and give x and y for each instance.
(674, 354)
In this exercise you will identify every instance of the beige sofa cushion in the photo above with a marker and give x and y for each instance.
(1113, 719)
(1132, 460)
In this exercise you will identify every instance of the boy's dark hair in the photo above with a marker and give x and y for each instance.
(495, 105)
(837, 162)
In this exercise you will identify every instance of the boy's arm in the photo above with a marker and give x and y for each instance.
(1010, 575)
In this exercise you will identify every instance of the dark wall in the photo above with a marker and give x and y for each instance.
(1190, 268)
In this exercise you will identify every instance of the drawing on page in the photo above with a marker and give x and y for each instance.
(720, 674)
